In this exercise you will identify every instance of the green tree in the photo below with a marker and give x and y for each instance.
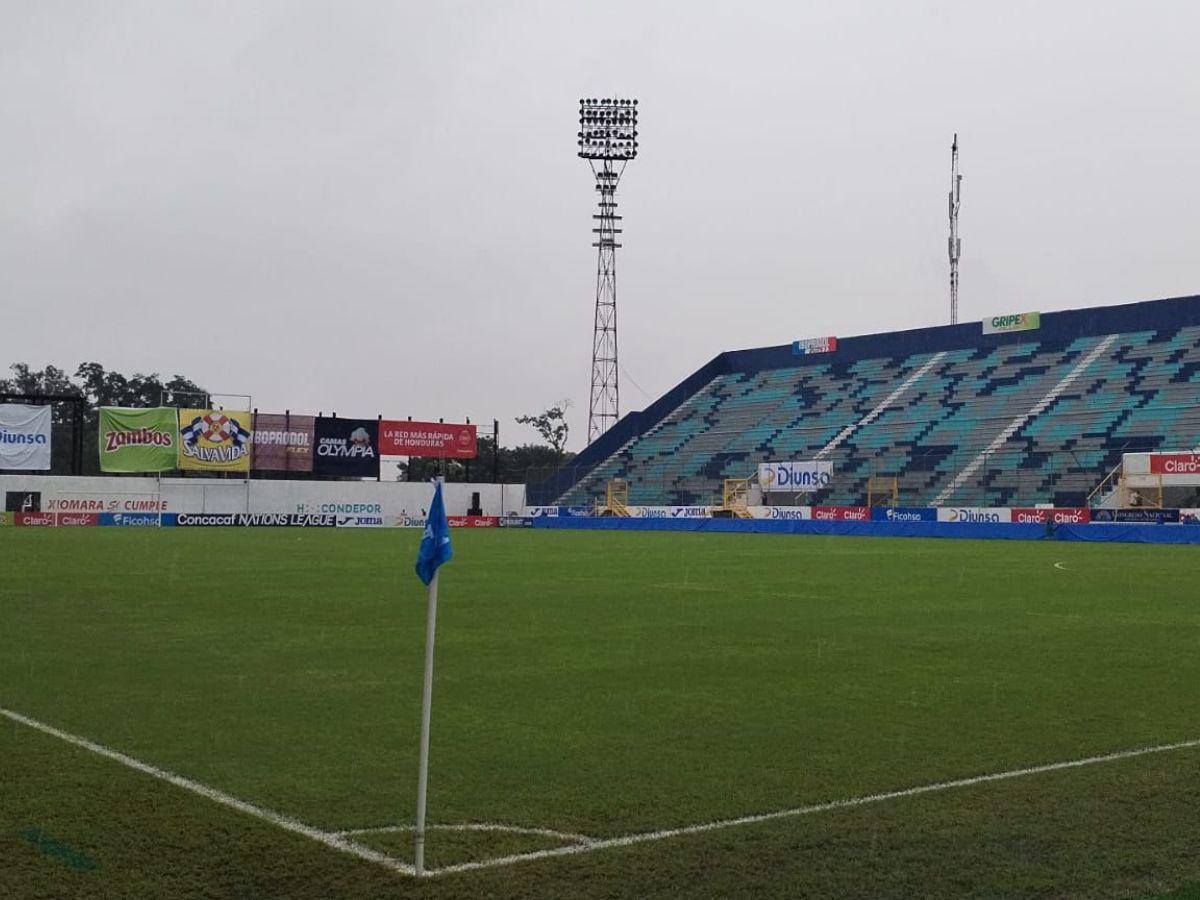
(551, 425)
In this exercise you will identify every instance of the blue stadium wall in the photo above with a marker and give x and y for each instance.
(1171, 313)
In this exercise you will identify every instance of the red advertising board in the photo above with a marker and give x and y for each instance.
(473, 521)
(841, 513)
(427, 439)
(30, 519)
(1062, 516)
(1175, 463)
(78, 519)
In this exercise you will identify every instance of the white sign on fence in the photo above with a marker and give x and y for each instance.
(794, 477)
(24, 437)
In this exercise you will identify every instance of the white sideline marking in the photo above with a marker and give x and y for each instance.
(568, 836)
(1061, 567)
(644, 837)
(278, 819)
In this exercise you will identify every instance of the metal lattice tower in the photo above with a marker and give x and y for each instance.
(608, 141)
(955, 243)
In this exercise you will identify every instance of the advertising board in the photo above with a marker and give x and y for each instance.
(129, 520)
(1175, 463)
(107, 503)
(841, 513)
(35, 519)
(23, 501)
(472, 521)
(346, 447)
(1059, 516)
(794, 477)
(516, 522)
(214, 440)
(981, 514)
(77, 519)
(283, 443)
(1144, 516)
(438, 439)
(809, 346)
(789, 513)
(138, 440)
(359, 521)
(903, 514)
(1027, 321)
(24, 437)
(665, 512)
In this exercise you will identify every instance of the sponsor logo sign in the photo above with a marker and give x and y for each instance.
(77, 519)
(345, 509)
(283, 443)
(1027, 321)
(346, 447)
(129, 520)
(427, 439)
(256, 520)
(792, 513)
(23, 501)
(35, 519)
(975, 514)
(138, 440)
(542, 512)
(472, 521)
(1145, 516)
(794, 477)
(407, 521)
(24, 437)
(1175, 463)
(148, 503)
(903, 514)
(214, 440)
(359, 521)
(841, 513)
(1060, 516)
(6, 518)
(667, 512)
(1189, 517)
(516, 522)
(809, 346)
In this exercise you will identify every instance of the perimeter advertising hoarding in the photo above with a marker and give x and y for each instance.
(903, 514)
(438, 439)
(984, 514)
(1145, 516)
(35, 519)
(214, 440)
(473, 521)
(130, 520)
(24, 437)
(138, 440)
(841, 513)
(792, 513)
(23, 501)
(1058, 516)
(346, 447)
(1012, 322)
(283, 443)
(255, 520)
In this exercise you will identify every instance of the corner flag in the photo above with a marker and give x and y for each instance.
(435, 545)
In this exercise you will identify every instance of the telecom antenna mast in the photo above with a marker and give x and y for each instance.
(608, 141)
(955, 241)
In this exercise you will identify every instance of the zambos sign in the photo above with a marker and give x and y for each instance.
(137, 440)
(1013, 322)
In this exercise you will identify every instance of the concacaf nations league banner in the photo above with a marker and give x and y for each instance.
(214, 440)
(347, 447)
(24, 437)
(137, 440)
(283, 443)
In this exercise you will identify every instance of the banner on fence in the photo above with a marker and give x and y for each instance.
(138, 440)
(214, 440)
(427, 439)
(130, 520)
(283, 443)
(657, 512)
(35, 519)
(25, 437)
(515, 521)
(1058, 516)
(346, 447)
(841, 513)
(78, 519)
(794, 477)
(903, 514)
(1175, 463)
(981, 514)
(1146, 516)
(792, 513)
(473, 521)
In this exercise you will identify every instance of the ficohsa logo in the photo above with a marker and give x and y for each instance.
(897, 515)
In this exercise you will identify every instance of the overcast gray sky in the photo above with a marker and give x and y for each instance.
(377, 207)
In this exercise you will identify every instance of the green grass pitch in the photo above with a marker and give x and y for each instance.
(604, 684)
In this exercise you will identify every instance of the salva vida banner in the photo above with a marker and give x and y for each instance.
(137, 440)
(283, 443)
(24, 437)
(346, 447)
(214, 440)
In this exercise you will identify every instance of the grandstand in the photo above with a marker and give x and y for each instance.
(953, 415)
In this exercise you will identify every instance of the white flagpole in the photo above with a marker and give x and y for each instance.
(426, 703)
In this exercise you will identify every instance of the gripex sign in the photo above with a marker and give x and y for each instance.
(794, 477)
(1012, 322)
(24, 437)
(346, 447)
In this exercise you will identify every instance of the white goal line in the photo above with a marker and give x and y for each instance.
(339, 840)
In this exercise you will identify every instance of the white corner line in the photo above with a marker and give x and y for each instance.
(569, 837)
(279, 820)
(645, 837)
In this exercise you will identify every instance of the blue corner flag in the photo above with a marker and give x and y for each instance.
(435, 545)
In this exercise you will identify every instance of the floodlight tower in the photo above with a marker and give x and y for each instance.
(955, 241)
(608, 141)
